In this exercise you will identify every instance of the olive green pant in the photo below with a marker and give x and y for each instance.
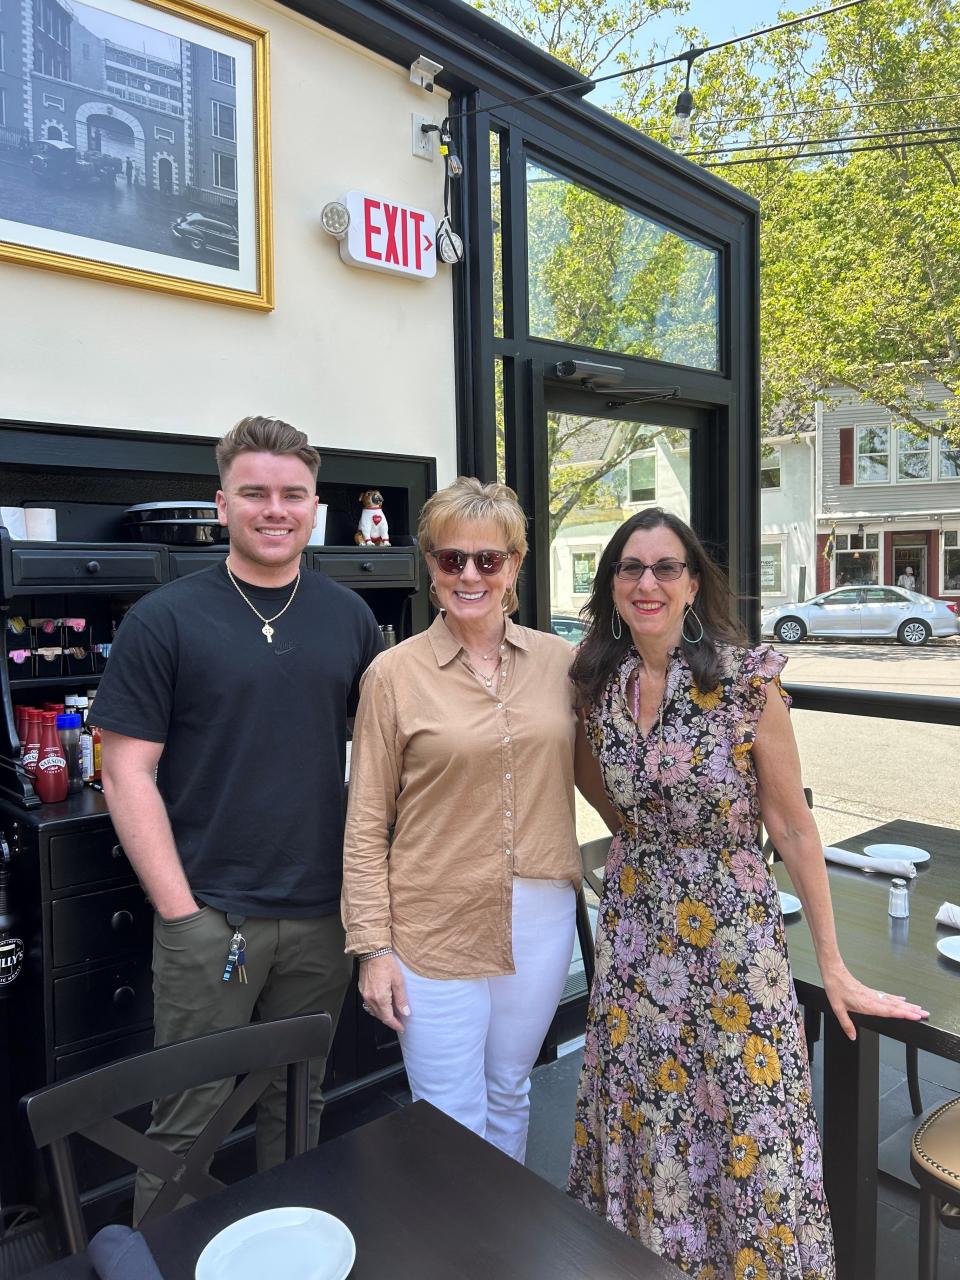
(292, 966)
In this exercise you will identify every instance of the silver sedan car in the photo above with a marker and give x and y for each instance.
(882, 613)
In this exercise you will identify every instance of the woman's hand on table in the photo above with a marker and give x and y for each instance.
(848, 995)
(383, 992)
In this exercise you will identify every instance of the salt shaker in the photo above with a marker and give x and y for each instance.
(899, 905)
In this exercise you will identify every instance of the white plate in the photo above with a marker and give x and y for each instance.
(789, 905)
(297, 1244)
(950, 947)
(901, 852)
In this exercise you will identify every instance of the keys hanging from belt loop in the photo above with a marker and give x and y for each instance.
(242, 960)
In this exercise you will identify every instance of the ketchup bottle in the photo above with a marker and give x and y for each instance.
(52, 776)
(22, 727)
(31, 741)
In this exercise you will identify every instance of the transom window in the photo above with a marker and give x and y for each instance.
(604, 276)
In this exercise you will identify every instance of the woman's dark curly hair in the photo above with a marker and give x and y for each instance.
(600, 653)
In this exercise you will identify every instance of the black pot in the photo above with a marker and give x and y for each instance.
(182, 533)
(152, 511)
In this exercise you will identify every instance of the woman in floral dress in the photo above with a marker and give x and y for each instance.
(695, 1129)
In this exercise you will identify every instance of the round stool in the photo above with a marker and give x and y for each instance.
(935, 1163)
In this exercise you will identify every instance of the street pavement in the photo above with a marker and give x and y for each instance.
(866, 771)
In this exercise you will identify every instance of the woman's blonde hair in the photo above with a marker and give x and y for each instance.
(470, 501)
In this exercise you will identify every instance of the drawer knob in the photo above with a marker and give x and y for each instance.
(117, 851)
(123, 997)
(93, 566)
(121, 921)
(366, 566)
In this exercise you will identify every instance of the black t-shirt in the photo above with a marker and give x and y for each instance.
(253, 762)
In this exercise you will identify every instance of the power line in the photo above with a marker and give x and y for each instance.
(687, 56)
(803, 142)
(849, 106)
(836, 155)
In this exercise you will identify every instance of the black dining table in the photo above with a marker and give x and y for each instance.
(425, 1199)
(899, 956)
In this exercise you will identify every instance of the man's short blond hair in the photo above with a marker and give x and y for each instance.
(265, 435)
(470, 501)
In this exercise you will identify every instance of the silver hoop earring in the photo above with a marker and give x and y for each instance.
(691, 613)
(616, 624)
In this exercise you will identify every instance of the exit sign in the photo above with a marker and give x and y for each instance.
(385, 235)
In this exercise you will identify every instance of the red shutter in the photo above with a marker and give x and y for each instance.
(846, 455)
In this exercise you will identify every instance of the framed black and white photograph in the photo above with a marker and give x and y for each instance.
(135, 145)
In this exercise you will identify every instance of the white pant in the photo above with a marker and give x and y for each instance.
(469, 1044)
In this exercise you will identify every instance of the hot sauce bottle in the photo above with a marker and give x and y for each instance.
(52, 778)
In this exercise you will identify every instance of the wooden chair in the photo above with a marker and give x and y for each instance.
(593, 856)
(88, 1105)
(935, 1163)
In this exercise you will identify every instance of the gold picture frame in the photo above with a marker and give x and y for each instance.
(139, 150)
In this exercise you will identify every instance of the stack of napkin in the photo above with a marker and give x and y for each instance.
(949, 914)
(886, 866)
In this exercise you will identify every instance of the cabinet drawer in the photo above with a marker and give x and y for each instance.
(54, 566)
(370, 566)
(96, 926)
(185, 562)
(85, 857)
(117, 998)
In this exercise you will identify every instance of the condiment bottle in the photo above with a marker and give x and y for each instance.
(68, 727)
(11, 943)
(51, 780)
(31, 740)
(899, 904)
(97, 739)
(21, 712)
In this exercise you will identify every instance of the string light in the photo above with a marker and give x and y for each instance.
(803, 142)
(836, 155)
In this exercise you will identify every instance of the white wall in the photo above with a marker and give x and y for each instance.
(357, 359)
(787, 518)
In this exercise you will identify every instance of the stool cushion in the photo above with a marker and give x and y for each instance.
(935, 1152)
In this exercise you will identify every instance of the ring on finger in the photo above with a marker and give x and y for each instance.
(881, 995)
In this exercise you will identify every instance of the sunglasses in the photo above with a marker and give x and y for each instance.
(663, 570)
(450, 560)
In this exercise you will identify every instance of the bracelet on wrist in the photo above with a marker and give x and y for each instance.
(375, 955)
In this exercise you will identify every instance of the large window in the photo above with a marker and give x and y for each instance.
(643, 478)
(604, 276)
(224, 171)
(770, 469)
(224, 68)
(771, 567)
(949, 461)
(913, 456)
(873, 455)
(224, 121)
(858, 559)
(951, 560)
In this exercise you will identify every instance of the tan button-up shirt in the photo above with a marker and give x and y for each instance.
(478, 785)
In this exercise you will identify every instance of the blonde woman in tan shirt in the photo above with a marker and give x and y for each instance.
(467, 743)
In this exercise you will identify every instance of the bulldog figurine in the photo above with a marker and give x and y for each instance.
(372, 531)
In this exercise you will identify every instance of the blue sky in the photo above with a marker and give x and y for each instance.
(717, 19)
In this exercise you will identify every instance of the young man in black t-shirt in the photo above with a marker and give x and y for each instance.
(224, 708)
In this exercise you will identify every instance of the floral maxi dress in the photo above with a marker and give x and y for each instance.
(695, 1129)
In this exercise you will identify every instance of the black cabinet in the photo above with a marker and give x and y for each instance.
(85, 994)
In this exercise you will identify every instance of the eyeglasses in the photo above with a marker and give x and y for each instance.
(663, 570)
(450, 560)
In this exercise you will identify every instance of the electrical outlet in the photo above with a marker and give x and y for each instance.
(423, 145)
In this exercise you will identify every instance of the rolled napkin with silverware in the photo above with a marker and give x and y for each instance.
(119, 1253)
(885, 866)
(949, 914)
